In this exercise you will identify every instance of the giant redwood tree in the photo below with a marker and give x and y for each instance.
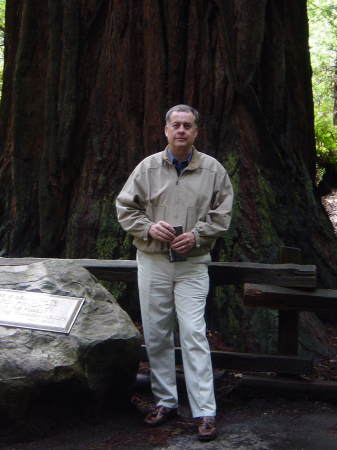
(86, 86)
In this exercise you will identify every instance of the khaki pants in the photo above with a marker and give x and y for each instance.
(169, 290)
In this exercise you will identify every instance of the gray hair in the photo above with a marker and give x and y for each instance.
(182, 108)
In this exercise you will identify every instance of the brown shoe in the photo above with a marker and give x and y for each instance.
(207, 429)
(159, 414)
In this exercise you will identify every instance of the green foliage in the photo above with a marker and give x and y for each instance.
(2, 19)
(323, 49)
(326, 142)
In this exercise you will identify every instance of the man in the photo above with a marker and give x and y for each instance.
(177, 187)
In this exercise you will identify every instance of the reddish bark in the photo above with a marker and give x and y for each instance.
(86, 86)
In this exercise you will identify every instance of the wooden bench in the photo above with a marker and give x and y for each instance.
(287, 301)
(276, 297)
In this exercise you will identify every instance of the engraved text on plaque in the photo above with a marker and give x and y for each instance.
(39, 311)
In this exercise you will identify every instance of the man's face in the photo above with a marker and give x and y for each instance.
(181, 131)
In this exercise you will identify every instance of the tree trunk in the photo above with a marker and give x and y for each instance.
(86, 87)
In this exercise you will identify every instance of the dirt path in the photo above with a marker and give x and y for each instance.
(276, 424)
(244, 423)
(330, 205)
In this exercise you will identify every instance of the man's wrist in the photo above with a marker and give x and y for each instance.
(196, 238)
(147, 234)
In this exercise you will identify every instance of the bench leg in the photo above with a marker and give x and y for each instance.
(288, 332)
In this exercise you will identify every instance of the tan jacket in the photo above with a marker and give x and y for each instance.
(200, 200)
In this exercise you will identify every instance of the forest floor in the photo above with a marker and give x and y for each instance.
(250, 420)
(244, 421)
(330, 204)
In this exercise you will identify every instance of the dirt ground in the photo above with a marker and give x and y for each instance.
(245, 422)
(330, 204)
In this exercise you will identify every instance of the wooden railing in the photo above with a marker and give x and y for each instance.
(222, 273)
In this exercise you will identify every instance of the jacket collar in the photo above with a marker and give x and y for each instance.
(193, 164)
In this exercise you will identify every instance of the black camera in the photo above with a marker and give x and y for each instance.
(174, 256)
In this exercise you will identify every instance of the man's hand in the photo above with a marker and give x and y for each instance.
(162, 231)
(183, 243)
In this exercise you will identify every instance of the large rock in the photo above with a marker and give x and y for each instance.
(99, 356)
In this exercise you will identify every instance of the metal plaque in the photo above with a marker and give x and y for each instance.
(38, 311)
